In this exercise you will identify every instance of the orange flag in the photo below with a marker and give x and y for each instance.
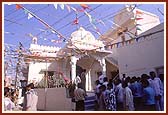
(18, 6)
(138, 12)
(84, 6)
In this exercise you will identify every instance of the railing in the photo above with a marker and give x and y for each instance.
(116, 77)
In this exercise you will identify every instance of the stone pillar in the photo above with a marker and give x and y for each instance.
(73, 67)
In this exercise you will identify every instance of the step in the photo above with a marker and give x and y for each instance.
(90, 98)
(89, 102)
(91, 107)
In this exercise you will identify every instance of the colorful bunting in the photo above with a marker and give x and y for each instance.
(56, 41)
(76, 21)
(90, 17)
(25, 11)
(55, 5)
(68, 7)
(29, 16)
(18, 6)
(61, 6)
(102, 22)
(139, 12)
(138, 25)
(74, 9)
(137, 28)
(139, 18)
(84, 6)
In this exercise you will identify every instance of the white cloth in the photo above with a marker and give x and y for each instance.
(32, 100)
(8, 104)
(156, 84)
(128, 99)
(119, 92)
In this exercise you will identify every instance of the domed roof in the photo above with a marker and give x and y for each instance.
(84, 40)
(82, 34)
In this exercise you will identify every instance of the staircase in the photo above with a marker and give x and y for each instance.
(90, 102)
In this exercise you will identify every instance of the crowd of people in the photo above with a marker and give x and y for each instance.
(145, 93)
(11, 99)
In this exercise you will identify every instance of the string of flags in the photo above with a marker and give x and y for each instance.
(31, 15)
(131, 41)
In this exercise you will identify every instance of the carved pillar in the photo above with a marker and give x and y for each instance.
(73, 67)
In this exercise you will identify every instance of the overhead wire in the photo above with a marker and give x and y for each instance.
(19, 19)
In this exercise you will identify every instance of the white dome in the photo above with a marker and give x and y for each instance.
(82, 34)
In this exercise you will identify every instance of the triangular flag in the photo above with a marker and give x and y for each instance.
(53, 32)
(102, 22)
(68, 7)
(29, 16)
(74, 9)
(80, 10)
(76, 21)
(84, 6)
(55, 5)
(18, 6)
(25, 11)
(90, 17)
(138, 25)
(61, 6)
(139, 18)
(138, 12)
(138, 28)
(93, 20)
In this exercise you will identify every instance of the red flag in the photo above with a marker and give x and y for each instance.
(139, 18)
(76, 21)
(138, 12)
(84, 6)
(18, 6)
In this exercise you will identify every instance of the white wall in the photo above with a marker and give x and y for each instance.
(36, 69)
(142, 56)
(53, 99)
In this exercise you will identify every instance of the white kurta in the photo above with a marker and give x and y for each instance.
(32, 100)
(8, 104)
(128, 99)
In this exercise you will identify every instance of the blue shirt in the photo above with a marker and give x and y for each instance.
(149, 96)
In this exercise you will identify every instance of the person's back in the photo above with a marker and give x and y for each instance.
(32, 100)
(79, 95)
(128, 103)
(149, 96)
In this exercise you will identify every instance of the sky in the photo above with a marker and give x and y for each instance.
(18, 28)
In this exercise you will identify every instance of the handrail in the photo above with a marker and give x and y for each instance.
(115, 77)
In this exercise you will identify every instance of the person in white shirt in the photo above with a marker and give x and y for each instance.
(32, 98)
(128, 103)
(8, 104)
(156, 84)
